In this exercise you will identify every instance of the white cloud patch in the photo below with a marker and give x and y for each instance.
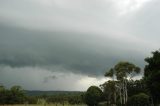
(127, 6)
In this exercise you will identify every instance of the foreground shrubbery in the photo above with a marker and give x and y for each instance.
(16, 95)
(93, 96)
(140, 99)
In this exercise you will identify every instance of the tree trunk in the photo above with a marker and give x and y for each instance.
(124, 98)
(114, 97)
(126, 92)
(120, 95)
(114, 89)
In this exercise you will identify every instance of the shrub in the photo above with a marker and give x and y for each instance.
(140, 99)
(93, 96)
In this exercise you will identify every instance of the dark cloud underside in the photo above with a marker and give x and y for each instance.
(78, 38)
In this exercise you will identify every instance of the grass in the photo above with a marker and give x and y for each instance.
(43, 105)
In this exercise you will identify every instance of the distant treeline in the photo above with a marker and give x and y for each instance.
(16, 95)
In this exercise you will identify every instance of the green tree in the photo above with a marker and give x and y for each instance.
(123, 71)
(2, 95)
(93, 96)
(135, 87)
(16, 94)
(140, 99)
(152, 76)
(109, 91)
(111, 84)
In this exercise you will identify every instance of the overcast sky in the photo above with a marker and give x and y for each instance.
(70, 44)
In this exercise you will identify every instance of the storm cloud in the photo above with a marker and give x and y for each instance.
(73, 39)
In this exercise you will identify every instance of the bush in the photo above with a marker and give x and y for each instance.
(93, 96)
(140, 99)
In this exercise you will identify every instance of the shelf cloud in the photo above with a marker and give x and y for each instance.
(58, 39)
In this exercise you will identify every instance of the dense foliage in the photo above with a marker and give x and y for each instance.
(108, 89)
(123, 90)
(93, 96)
(121, 72)
(14, 95)
(136, 87)
(140, 99)
(68, 98)
(152, 76)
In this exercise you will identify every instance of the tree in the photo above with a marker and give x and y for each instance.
(140, 99)
(111, 73)
(152, 76)
(109, 91)
(17, 95)
(2, 94)
(93, 96)
(123, 71)
(135, 87)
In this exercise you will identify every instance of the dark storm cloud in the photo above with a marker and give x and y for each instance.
(76, 52)
(84, 37)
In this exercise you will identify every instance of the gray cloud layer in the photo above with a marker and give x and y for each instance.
(82, 37)
(75, 51)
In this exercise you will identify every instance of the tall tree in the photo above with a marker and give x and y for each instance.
(152, 75)
(2, 94)
(109, 91)
(125, 70)
(122, 71)
(111, 84)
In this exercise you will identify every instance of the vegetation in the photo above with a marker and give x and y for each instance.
(15, 95)
(93, 96)
(121, 72)
(152, 76)
(123, 90)
(140, 99)
(43, 105)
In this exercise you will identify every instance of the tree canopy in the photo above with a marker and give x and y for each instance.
(93, 96)
(14, 95)
(122, 72)
(152, 75)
